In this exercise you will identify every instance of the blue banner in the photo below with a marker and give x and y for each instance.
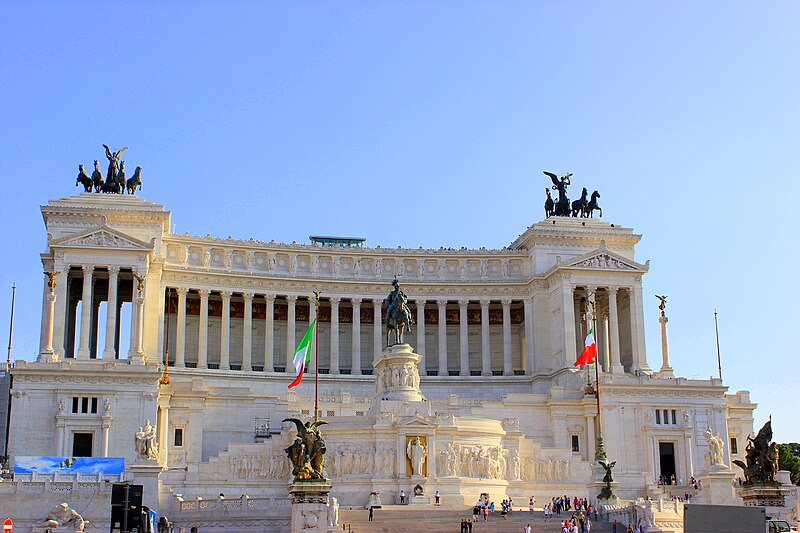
(69, 465)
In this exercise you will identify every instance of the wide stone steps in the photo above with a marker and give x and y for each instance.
(397, 519)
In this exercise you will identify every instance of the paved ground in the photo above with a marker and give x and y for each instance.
(396, 519)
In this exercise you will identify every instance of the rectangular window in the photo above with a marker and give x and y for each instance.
(82, 444)
(674, 419)
(666, 416)
(178, 440)
(734, 445)
(94, 405)
(75, 404)
(84, 405)
(576, 445)
(658, 416)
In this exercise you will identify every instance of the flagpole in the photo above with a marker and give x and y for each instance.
(599, 452)
(316, 358)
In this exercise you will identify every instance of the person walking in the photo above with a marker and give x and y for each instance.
(370, 513)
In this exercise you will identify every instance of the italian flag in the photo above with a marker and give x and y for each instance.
(589, 353)
(302, 355)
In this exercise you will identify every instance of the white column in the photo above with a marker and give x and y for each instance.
(247, 341)
(163, 435)
(590, 438)
(377, 328)
(225, 333)
(334, 362)
(86, 312)
(269, 334)
(291, 302)
(48, 334)
(442, 307)
(613, 330)
(463, 337)
(568, 310)
(60, 436)
(486, 353)
(355, 364)
(134, 319)
(180, 329)
(530, 363)
(202, 337)
(106, 426)
(138, 314)
(606, 344)
(508, 362)
(421, 335)
(109, 352)
(637, 327)
(665, 366)
(60, 316)
(312, 316)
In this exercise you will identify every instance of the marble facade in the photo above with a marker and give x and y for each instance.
(492, 389)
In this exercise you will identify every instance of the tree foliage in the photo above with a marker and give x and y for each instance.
(790, 461)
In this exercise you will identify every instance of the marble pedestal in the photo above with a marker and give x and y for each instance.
(397, 374)
(771, 497)
(145, 473)
(717, 483)
(309, 506)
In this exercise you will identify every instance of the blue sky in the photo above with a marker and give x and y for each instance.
(278, 120)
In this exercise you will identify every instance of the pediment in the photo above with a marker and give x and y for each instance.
(102, 237)
(604, 259)
(415, 421)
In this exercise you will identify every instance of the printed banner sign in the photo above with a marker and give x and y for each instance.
(69, 465)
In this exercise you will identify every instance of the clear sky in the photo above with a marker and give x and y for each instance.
(429, 124)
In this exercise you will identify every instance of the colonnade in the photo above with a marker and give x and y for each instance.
(357, 306)
(60, 320)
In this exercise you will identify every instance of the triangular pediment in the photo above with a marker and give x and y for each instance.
(415, 421)
(604, 259)
(102, 237)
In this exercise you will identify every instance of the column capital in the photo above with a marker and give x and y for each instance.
(506, 302)
(87, 269)
(248, 296)
(113, 270)
(335, 301)
(377, 303)
(612, 289)
(355, 302)
(291, 298)
(180, 291)
(463, 303)
(203, 293)
(485, 303)
(226, 295)
(420, 302)
(441, 303)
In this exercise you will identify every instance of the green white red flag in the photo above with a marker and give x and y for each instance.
(302, 355)
(589, 353)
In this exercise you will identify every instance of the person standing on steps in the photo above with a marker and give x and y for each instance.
(370, 513)
(402, 497)
(437, 496)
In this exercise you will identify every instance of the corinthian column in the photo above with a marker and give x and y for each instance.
(269, 334)
(463, 337)
(247, 340)
(421, 334)
(486, 349)
(180, 329)
(613, 331)
(508, 362)
(442, 308)
(225, 333)
(377, 328)
(202, 334)
(47, 346)
(86, 312)
(334, 363)
(291, 301)
(109, 352)
(355, 365)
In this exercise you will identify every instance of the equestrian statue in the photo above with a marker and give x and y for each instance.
(398, 315)
(115, 181)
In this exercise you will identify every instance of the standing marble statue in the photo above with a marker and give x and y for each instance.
(417, 453)
(333, 512)
(715, 455)
(61, 515)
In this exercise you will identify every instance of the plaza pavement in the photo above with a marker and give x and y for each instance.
(397, 519)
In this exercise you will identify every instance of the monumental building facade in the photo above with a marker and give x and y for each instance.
(492, 392)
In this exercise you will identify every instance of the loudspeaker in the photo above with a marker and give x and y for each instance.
(134, 509)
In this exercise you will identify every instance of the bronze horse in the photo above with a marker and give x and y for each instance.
(398, 319)
(84, 179)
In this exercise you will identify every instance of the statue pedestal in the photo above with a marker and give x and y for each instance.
(418, 491)
(717, 483)
(772, 497)
(397, 375)
(146, 473)
(309, 506)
